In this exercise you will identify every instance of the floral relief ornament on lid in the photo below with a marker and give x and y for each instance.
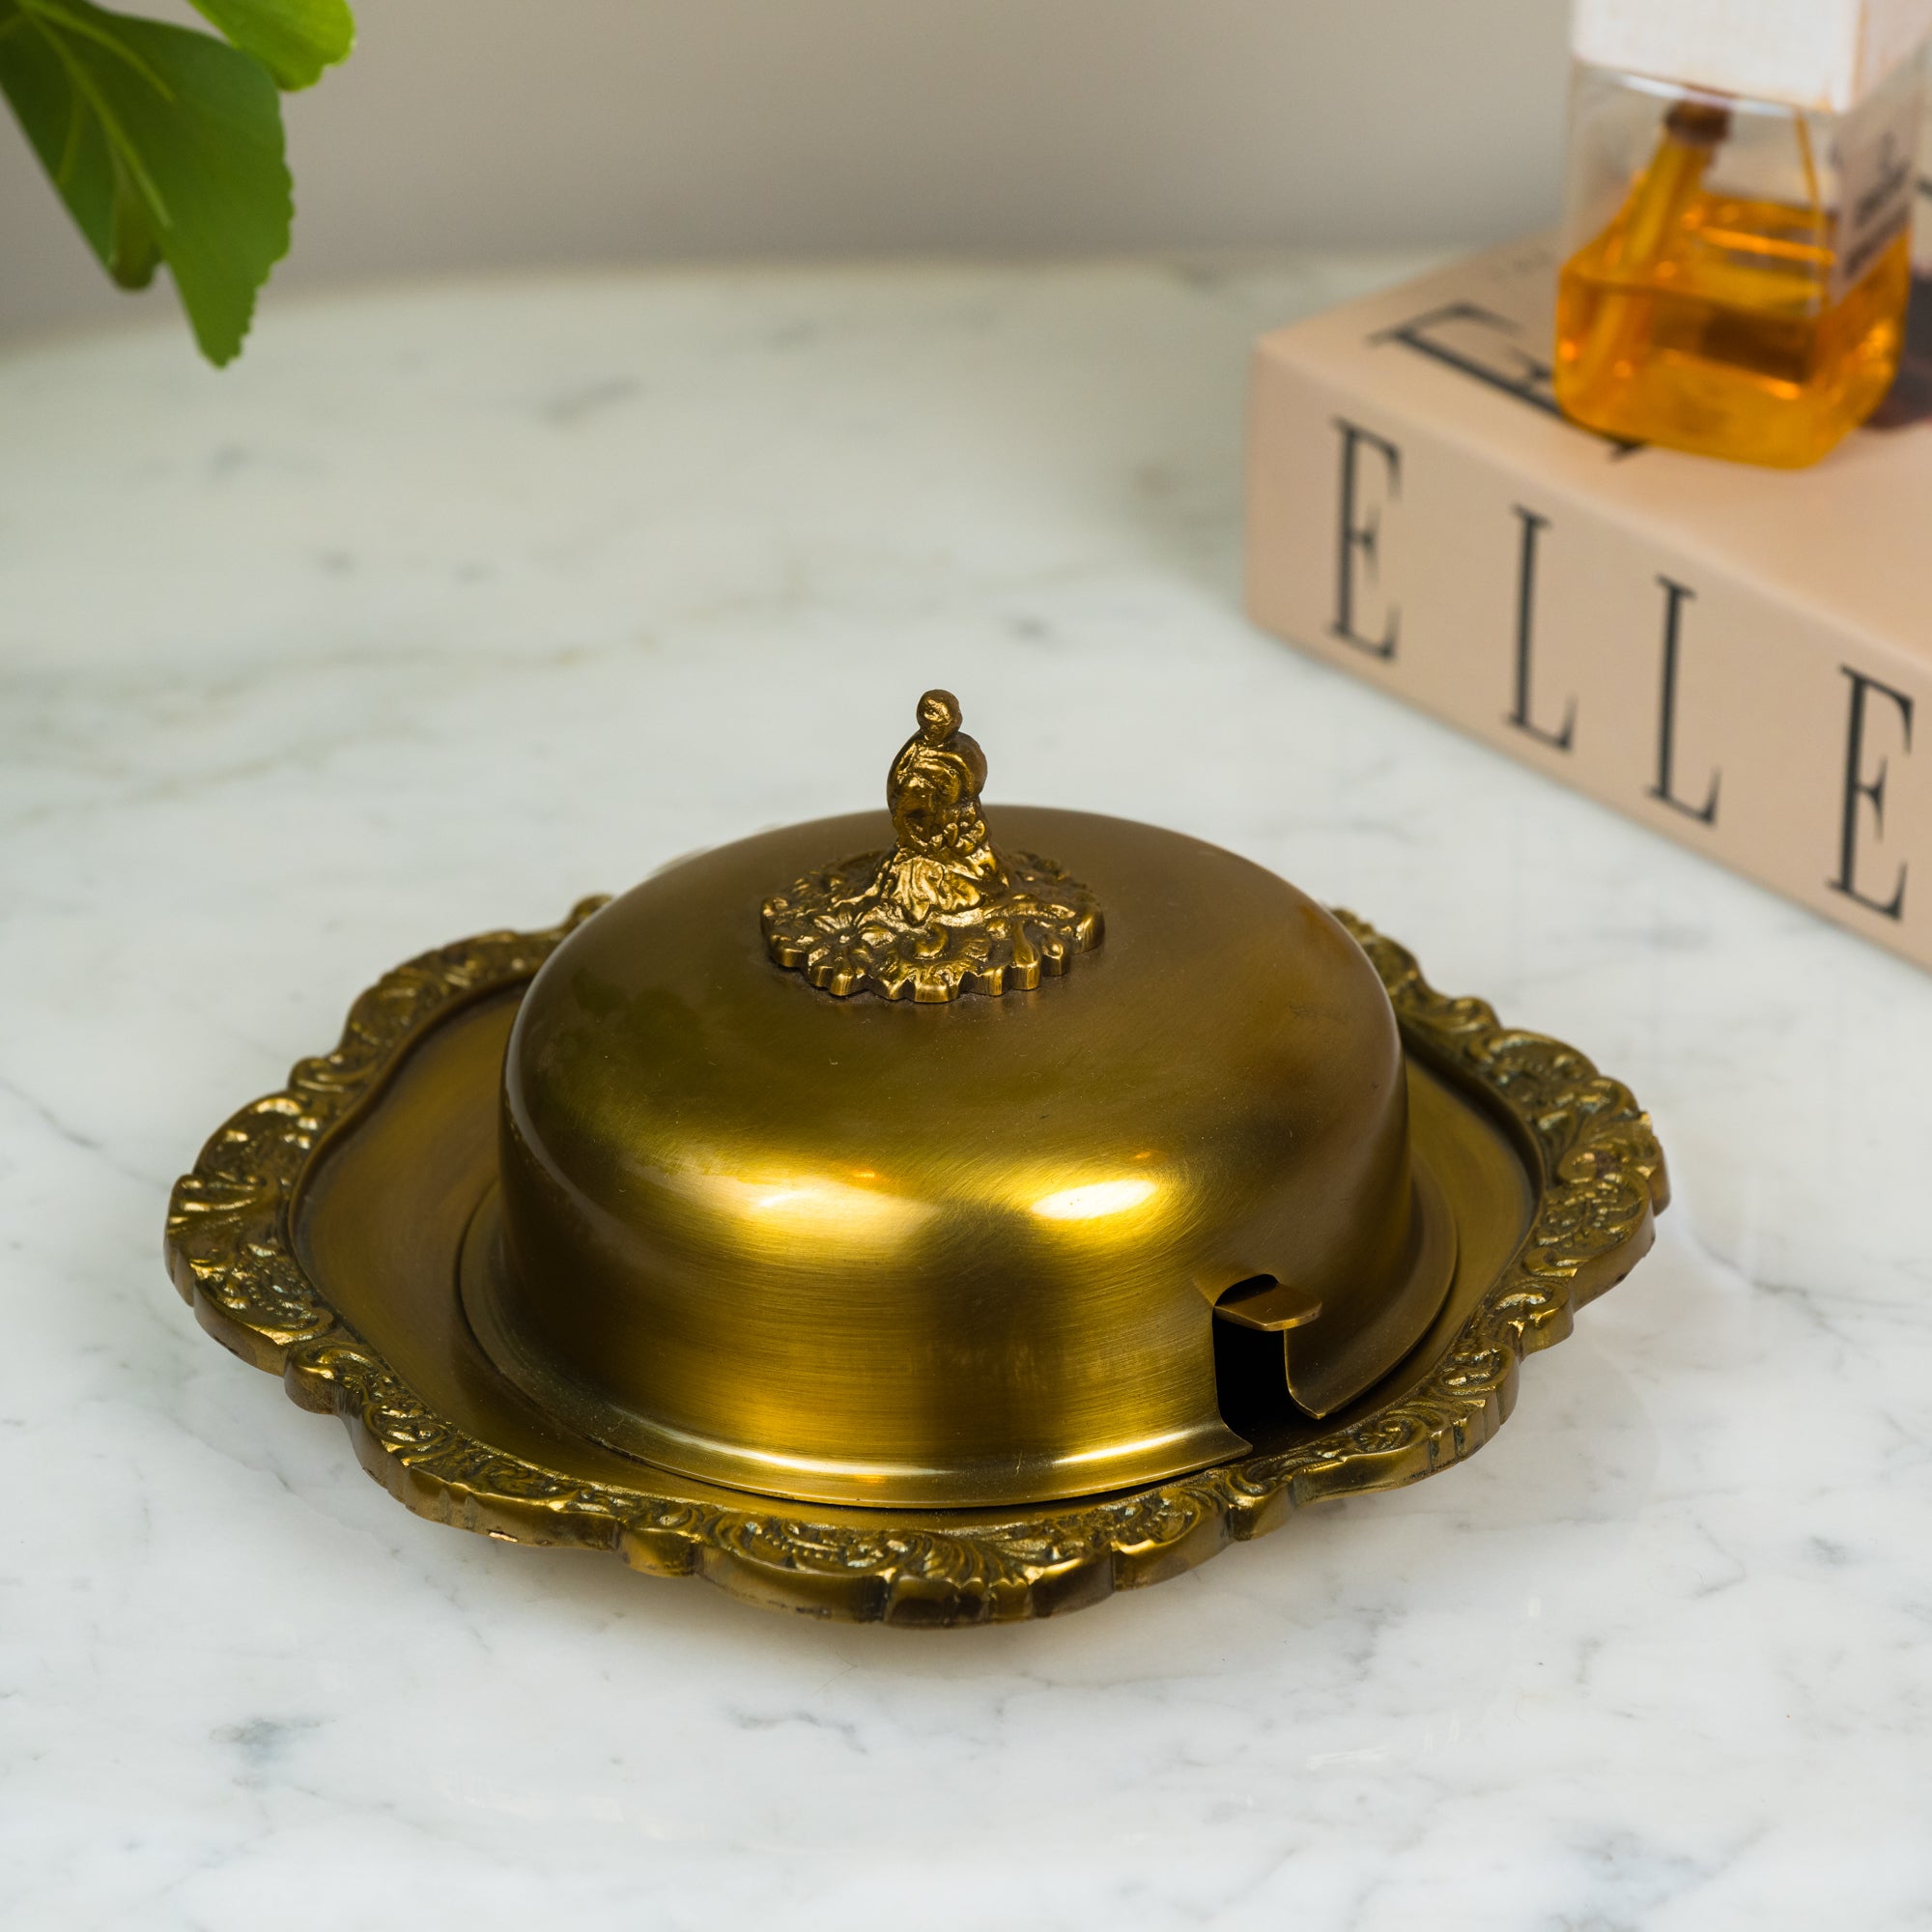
(944, 911)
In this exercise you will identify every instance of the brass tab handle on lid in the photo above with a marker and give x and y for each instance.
(1262, 1302)
(944, 911)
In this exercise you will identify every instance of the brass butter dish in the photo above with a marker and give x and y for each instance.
(884, 1218)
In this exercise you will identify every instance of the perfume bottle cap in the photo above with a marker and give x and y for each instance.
(1821, 54)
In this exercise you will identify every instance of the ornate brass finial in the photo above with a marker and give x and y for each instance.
(944, 911)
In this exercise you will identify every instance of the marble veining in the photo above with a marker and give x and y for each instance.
(423, 619)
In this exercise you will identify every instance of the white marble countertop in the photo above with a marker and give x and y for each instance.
(447, 606)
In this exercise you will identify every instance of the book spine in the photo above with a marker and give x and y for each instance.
(1619, 660)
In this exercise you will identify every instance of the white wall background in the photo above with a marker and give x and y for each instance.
(488, 133)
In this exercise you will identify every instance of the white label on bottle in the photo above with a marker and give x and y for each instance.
(1878, 179)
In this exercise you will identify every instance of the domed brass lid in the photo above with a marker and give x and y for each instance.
(959, 1173)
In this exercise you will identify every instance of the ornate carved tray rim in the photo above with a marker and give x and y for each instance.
(231, 1253)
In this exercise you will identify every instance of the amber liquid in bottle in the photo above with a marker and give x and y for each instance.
(1708, 323)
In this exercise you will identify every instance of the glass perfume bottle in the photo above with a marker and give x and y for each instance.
(1736, 266)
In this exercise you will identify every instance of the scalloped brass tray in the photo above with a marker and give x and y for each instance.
(315, 1238)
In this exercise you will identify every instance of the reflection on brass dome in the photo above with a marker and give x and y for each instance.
(933, 1252)
(942, 911)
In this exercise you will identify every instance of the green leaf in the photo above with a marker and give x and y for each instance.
(71, 144)
(294, 40)
(136, 252)
(165, 144)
